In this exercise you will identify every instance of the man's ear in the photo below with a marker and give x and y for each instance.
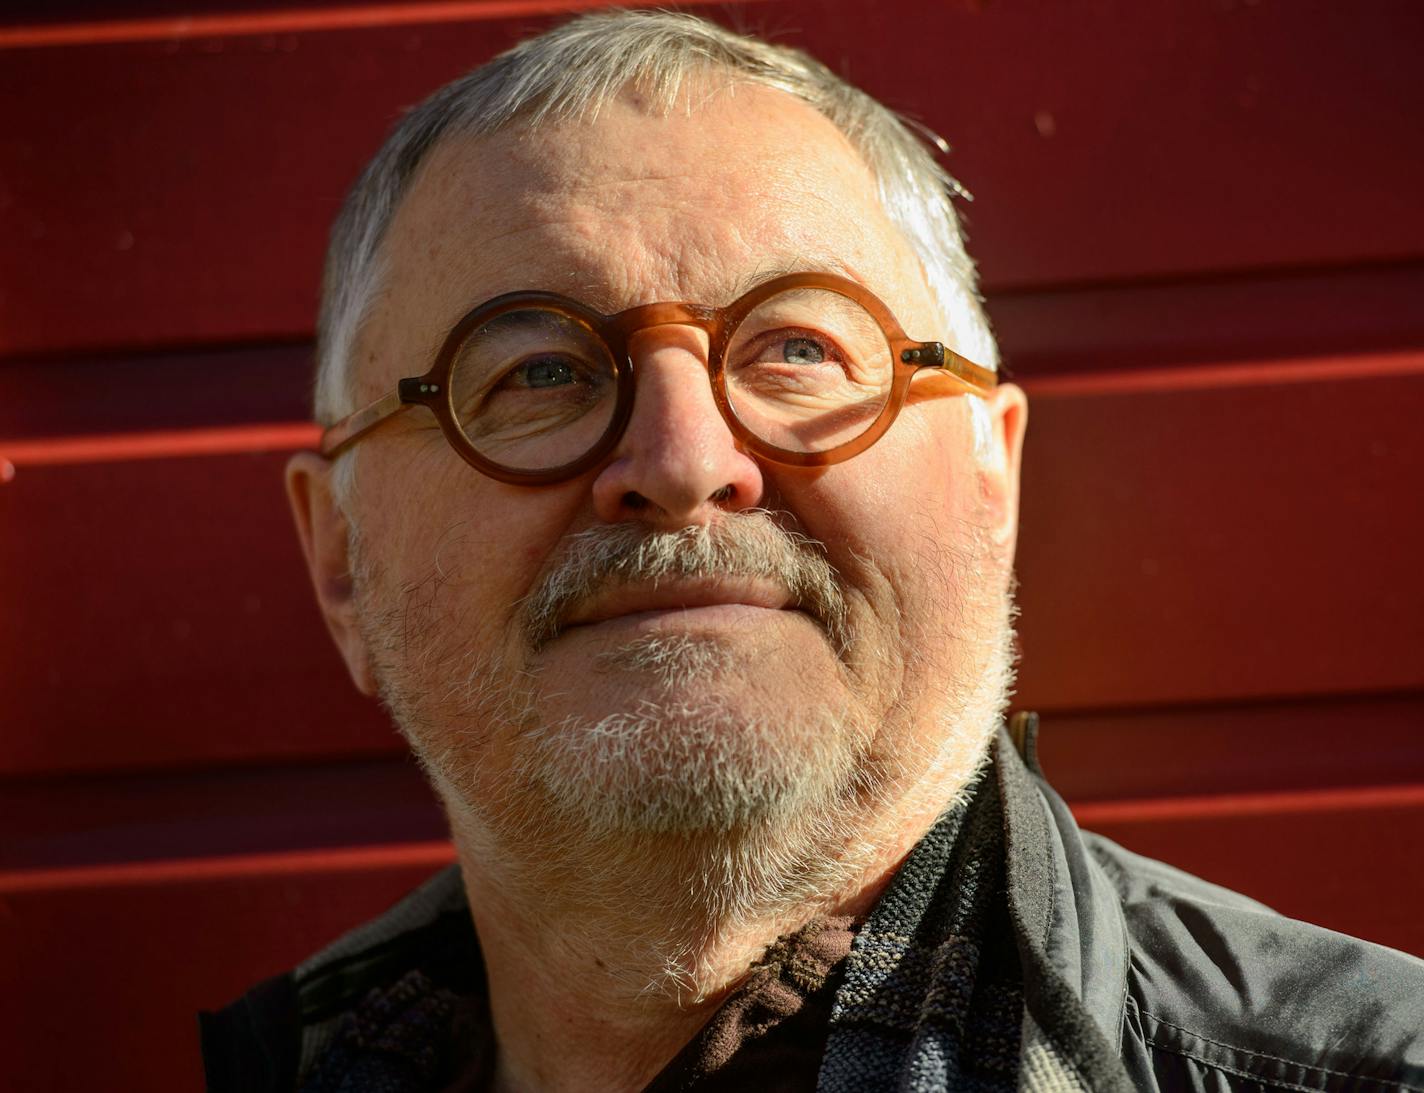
(325, 537)
(1008, 416)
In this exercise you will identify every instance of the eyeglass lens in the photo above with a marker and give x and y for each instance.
(533, 389)
(806, 370)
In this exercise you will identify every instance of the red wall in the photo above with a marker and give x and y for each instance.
(1203, 247)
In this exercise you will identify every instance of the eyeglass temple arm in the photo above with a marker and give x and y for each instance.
(351, 429)
(935, 355)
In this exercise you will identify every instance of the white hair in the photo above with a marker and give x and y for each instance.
(573, 71)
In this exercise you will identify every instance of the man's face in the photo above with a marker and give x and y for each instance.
(789, 637)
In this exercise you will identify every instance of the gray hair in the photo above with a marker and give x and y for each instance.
(574, 70)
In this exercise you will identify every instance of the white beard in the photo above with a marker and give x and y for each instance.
(666, 768)
(704, 819)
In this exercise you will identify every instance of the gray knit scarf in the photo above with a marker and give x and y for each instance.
(932, 997)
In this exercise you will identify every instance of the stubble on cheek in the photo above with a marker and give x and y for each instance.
(956, 625)
(439, 667)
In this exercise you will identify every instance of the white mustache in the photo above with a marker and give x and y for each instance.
(743, 544)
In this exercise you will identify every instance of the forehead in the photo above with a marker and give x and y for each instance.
(696, 203)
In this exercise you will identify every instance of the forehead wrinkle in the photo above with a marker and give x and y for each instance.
(573, 260)
(562, 193)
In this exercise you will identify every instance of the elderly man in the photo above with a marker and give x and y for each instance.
(668, 501)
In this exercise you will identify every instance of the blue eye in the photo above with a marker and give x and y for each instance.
(547, 372)
(802, 351)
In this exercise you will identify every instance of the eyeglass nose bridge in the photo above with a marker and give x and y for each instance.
(712, 321)
(672, 313)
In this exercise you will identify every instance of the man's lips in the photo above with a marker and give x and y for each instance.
(678, 595)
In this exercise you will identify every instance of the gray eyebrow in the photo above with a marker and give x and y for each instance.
(807, 263)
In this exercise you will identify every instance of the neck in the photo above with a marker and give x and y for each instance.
(604, 960)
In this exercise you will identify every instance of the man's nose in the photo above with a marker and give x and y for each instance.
(678, 463)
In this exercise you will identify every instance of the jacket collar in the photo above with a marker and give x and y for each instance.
(1072, 938)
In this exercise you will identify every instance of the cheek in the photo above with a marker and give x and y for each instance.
(902, 523)
(493, 561)
(459, 560)
(920, 480)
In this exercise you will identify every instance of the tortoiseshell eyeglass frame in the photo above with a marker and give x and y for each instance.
(433, 390)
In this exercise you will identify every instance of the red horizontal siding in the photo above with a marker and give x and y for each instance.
(90, 449)
(137, 393)
(1221, 748)
(177, 190)
(108, 968)
(1094, 328)
(1193, 535)
(106, 819)
(162, 617)
(272, 19)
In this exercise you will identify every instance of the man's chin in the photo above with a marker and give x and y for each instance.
(677, 660)
(687, 767)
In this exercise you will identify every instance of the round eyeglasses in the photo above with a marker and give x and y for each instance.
(533, 388)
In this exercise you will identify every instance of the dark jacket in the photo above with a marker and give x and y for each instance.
(1135, 975)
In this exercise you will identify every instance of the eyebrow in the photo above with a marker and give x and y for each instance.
(820, 263)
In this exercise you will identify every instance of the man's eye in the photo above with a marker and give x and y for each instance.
(802, 351)
(545, 372)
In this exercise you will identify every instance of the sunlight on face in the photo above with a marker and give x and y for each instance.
(605, 656)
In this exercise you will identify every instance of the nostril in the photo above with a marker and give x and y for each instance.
(634, 502)
(726, 493)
